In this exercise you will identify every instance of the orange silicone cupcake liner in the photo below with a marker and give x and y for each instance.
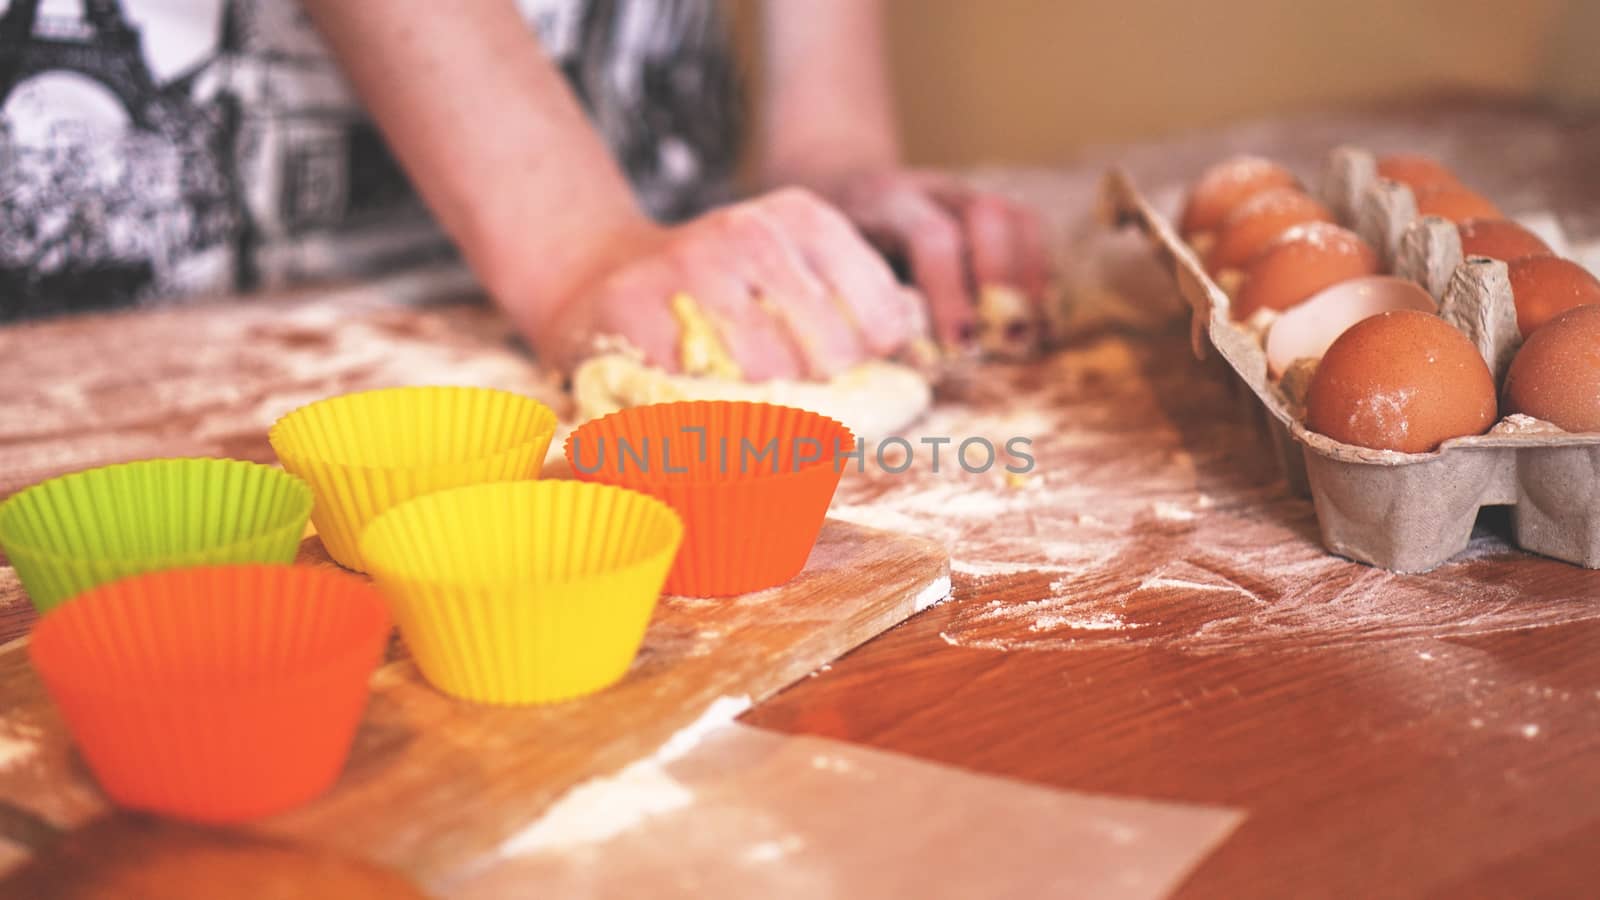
(752, 482)
(214, 694)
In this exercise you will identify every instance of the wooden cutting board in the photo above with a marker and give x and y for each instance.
(435, 785)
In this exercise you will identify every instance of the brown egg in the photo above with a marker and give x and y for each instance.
(1226, 185)
(1415, 170)
(1403, 381)
(1300, 262)
(1556, 374)
(1500, 239)
(1544, 287)
(1258, 221)
(1455, 203)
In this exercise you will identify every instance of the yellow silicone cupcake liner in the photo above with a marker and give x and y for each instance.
(364, 453)
(531, 592)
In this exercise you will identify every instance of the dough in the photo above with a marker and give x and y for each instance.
(874, 399)
(700, 348)
(1008, 325)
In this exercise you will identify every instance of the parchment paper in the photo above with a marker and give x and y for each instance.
(751, 813)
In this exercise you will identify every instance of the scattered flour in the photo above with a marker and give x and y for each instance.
(602, 808)
(822, 671)
(1144, 526)
(19, 743)
(773, 850)
(1168, 511)
(830, 763)
(932, 595)
(1101, 621)
(994, 569)
(1167, 581)
(720, 713)
(1225, 596)
(1051, 614)
(599, 810)
(15, 752)
(956, 512)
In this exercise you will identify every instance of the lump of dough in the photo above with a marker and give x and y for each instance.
(874, 399)
(1008, 325)
(700, 347)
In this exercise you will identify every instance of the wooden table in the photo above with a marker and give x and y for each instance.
(1166, 625)
(1148, 613)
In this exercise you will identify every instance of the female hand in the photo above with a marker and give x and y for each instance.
(827, 123)
(956, 241)
(788, 286)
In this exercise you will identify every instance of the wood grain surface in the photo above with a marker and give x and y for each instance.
(1148, 612)
(435, 785)
(1160, 621)
(128, 857)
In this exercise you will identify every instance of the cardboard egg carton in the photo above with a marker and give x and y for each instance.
(1406, 512)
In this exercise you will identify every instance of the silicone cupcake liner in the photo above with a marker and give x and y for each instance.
(215, 694)
(74, 532)
(752, 481)
(531, 592)
(363, 453)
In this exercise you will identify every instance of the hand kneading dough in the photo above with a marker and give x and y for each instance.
(874, 399)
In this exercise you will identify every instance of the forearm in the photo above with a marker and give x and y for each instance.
(827, 108)
(492, 137)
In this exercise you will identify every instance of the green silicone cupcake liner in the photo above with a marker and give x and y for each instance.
(74, 532)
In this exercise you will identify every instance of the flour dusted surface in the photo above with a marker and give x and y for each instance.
(1155, 515)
